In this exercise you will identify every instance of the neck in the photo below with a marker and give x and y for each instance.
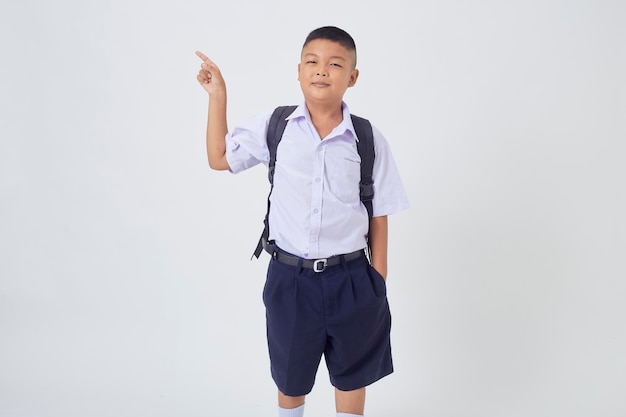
(325, 112)
(324, 117)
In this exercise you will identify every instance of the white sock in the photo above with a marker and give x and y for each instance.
(348, 415)
(291, 412)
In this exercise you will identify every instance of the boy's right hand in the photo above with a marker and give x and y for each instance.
(209, 76)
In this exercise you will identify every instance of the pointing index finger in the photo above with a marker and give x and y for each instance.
(204, 57)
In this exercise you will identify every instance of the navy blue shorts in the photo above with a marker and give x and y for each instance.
(341, 313)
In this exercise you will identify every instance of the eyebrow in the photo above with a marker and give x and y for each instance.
(332, 57)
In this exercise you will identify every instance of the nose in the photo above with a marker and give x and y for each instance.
(322, 73)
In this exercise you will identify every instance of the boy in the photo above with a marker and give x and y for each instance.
(322, 296)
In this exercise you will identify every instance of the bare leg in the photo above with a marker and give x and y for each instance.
(351, 402)
(285, 401)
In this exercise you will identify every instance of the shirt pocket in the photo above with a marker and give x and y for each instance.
(343, 174)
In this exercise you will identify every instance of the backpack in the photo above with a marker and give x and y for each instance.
(365, 148)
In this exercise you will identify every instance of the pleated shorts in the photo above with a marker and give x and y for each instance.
(341, 314)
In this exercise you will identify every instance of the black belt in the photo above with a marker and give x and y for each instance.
(317, 265)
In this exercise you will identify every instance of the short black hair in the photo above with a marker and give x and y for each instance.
(333, 33)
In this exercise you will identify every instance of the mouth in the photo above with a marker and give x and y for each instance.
(320, 84)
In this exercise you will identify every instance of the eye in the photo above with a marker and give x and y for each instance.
(334, 64)
(311, 62)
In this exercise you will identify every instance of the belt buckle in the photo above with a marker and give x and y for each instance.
(317, 267)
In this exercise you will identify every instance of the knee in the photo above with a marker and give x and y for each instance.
(286, 401)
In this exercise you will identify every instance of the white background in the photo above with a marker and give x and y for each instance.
(125, 282)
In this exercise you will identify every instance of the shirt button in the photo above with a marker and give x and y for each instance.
(318, 179)
(316, 211)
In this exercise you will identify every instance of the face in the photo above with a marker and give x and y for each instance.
(326, 71)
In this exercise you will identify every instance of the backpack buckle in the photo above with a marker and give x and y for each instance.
(319, 265)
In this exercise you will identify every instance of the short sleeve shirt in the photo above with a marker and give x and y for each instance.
(316, 211)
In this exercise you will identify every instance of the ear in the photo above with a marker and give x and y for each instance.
(299, 72)
(353, 77)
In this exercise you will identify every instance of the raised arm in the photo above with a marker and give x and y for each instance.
(378, 237)
(210, 78)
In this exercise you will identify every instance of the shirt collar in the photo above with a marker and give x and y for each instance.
(345, 125)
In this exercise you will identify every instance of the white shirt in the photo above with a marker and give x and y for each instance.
(315, 207)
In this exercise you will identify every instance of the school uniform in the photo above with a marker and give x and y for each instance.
(322, 296)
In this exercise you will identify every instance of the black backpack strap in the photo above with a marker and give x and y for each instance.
(275, 130)
(365, 147)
